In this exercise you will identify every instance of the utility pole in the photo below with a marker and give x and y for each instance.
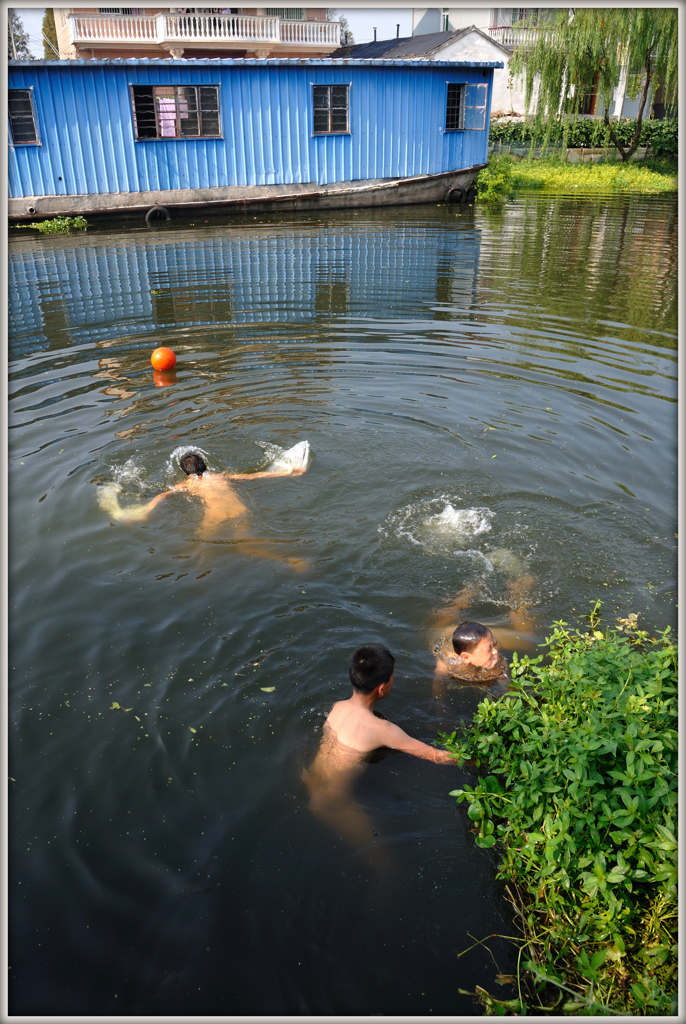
(14, 49)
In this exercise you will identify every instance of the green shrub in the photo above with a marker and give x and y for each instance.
(589, 132)
(494, 182)
(580, 798)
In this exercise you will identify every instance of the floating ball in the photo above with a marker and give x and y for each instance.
(163, 358)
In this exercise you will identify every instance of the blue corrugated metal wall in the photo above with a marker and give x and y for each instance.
(397, 117)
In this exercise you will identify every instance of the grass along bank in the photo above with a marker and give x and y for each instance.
(505, 176)
(577, 791)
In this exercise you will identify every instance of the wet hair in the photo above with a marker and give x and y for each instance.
(468, 635)
(370, 666)
(192, 463)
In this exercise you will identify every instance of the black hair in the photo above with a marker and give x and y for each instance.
(192, 463)
(370, 666)
(468, 635)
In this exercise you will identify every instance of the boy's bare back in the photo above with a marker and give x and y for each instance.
(220, 499)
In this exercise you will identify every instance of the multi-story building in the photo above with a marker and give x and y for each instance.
(193, 32)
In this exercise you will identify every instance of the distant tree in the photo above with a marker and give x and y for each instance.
(51, 52)
(346, 35)
(584, 49)
(17, 38)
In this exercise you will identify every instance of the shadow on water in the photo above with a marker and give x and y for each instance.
(489, 397)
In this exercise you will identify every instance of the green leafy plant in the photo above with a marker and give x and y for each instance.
(494, 182)
(662, 137)
(59, 225)
(580, 798)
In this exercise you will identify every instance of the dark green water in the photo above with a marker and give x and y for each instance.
(468, 382)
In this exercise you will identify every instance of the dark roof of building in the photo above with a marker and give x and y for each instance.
(409, 46)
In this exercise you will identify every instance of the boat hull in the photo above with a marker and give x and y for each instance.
(422, 188)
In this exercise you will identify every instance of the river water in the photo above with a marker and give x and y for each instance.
(489, 396)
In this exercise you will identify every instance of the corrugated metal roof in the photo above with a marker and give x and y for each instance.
(257, 62)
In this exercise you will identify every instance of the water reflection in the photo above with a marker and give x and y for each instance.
(98, 292)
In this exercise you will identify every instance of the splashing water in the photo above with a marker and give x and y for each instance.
(297, 457)
(108, 500)
(441, 528)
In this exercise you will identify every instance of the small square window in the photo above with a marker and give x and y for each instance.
(22, 117)
(454, 111)
(330, 104)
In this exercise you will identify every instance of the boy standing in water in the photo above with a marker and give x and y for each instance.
(353, 729)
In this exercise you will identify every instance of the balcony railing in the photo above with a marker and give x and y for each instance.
(513, 37)
(231, 29)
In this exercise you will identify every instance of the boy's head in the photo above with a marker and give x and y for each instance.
(370, 667)
(475, 645)
(192, 463)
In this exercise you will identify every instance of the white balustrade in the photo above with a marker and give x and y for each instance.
(113, 28)
(166, 27)
(513, 36)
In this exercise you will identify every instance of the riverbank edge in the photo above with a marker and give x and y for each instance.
(586, 742)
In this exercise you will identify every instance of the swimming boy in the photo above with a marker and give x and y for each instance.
(221, 503)
(472, 656)
(220, 500)
(351, 732)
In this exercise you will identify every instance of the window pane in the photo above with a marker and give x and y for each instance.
(187, 108)
(321, 96)
(339, 95)
(22, 121)
(209, 110)
(453, 114)
(144, 111)
(209, 98)
(321, 121)
(165, 102)
(339, 120)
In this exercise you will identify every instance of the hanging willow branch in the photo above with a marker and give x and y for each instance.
(581, 50)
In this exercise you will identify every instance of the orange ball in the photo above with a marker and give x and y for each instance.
(163, 358)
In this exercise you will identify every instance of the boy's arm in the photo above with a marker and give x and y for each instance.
(142, 511)
(263, 473)
(390, 735)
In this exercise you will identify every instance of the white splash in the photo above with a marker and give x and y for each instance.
(108, 500)
(440, 527)
(297, 457)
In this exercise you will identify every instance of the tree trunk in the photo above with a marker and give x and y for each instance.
(626, 154)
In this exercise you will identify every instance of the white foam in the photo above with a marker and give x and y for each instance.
(461, 522)
(297, 457)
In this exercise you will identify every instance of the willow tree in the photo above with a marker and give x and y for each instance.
(582, 49)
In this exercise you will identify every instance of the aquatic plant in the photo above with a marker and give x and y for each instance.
(59, 225)
(554, 175)
(580, 799)
(494, 183)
